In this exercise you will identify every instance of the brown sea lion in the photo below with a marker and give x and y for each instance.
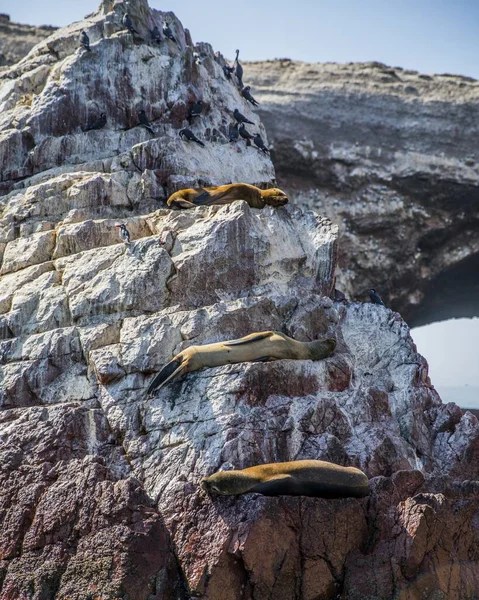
(224, 194)
(296, 478)
(262, 346)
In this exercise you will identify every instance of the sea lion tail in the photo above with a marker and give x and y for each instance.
(168, 372)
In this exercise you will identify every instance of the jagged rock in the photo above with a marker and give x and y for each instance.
(17, 39)
(99, 485)
(391, 156)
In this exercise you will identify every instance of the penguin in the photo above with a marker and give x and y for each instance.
(258, 142)
(189, 136)
(167, 32)
(234, 133)
(144, 121)
(128, 23)
(239, 70)
(241, 118)
(228, 71)
(155, 34)
(195, 110)
(85, 40)
(245, 134)
(98, 123)
(375, 297)
(245, 92)
(124, 233)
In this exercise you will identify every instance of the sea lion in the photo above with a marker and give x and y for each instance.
(224, 194)
(296, 478)
(256, 347)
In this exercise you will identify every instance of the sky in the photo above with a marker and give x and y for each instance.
(430, 36)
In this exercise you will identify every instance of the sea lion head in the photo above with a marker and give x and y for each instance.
(321, 348)
(228, 483)
(274, 197)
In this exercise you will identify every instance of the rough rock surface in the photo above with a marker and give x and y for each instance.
(99, 494)
(16, 39)
(391, 156)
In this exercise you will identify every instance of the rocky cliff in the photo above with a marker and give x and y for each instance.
(16, 39)
(391, 156)
(99, 494)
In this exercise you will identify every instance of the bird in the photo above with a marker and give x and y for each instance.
(144, 121)
(197, 58)
(241, 118)
(189, 136)
(124, 233)
(258, 142)
(375, 297)
(128, 23)
(98, 123)
(85, 40)
(167, 32)
(155, 34)
(234, 133)
(245, 134)
(228, 71)
(245, 92)
(195, 110)
(239, 70)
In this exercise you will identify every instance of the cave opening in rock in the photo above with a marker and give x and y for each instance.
(453, 294)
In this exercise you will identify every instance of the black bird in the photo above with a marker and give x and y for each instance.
(189, 136)
(124, 233)
(195, 110)
(98, 123)
(234, 133)
(241, 118)
(239, 70)
(155, 34)
(375, 297)
(245, 134)
(128, 23)
(228, 71)
(245, 92)
(144, 121)
(258, 142)
(85, 40)
(168, 33)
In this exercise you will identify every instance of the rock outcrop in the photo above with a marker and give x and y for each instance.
(99, 494)
(16, 39)
(391, 156)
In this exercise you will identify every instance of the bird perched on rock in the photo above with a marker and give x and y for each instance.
(197, 58)
(98, 123)
(245, 134)
(189, 136)
(124, 233)
(167, 32)
(375, 297)
(245, 92)
(238, 70)
(155, 34)
(195, 110)
(258, 142)
(228, 71)
(144, 121)
(128, 23)
(234, 133)
(85, 40)
(241, 118)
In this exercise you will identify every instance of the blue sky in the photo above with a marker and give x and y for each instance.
(431, 36)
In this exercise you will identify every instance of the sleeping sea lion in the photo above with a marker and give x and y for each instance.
(224, 194)
(296, 478)
(256, 347)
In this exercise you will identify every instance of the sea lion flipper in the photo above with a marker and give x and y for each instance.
(262, 359)
(254, 337)
(181, 203)
(202, 199)
(169, 371)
